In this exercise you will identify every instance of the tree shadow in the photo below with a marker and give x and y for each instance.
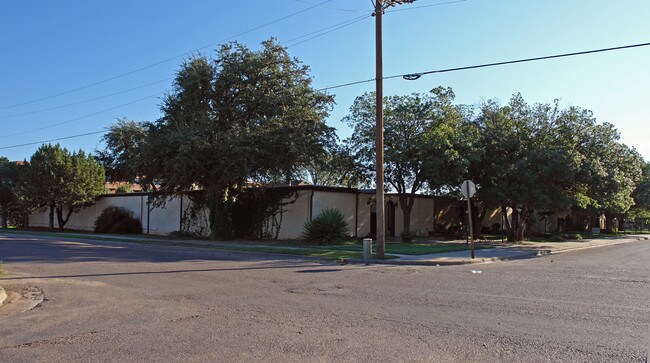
(33, 249)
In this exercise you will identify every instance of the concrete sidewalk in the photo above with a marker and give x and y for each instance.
(506, 252)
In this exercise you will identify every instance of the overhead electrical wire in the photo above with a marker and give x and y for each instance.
(81, 117)
(322, 32)
(417, 75)
(50, 140)
(319, 33)
(166, 60)
(394, 10)
(403, 76)
(86, 100)
(336, 26)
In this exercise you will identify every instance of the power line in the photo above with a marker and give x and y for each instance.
(86, 100)
(329, 7)
(50, 140)
(414, 76)
(602, 50)
(411, 75)
(332, 29)
(319, 33)
(81, 117)
(166, 60)
(394, 10)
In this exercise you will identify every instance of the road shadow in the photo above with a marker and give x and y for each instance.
(179, 271)
(37, 249)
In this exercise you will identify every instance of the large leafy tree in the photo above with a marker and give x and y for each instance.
(123, 158)
(641, 196)
(337, 167)
(244, 116)
(426, 143)
(63, 181)
(542, 158)
(526, 163)
(610, 170)
(8, 184)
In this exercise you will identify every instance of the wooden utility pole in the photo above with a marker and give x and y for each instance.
(380, 6)
(379, 142)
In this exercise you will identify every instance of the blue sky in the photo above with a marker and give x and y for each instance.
(50, 47)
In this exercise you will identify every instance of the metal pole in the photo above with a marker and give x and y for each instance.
(367, 249)
(469, 217)
(379, 142)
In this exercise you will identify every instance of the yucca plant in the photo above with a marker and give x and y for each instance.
(328, 227)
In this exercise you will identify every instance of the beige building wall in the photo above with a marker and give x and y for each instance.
(294, 216)
(84, 220)
(163, 220)
(346, 203)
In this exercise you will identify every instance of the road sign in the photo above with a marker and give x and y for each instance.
(468, 188)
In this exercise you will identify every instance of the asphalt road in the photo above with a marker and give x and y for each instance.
(145, 303)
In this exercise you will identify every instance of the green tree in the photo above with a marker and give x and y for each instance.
(59, 179)
(609, 171)
(246, 116)
(123, 157)
(426, 143)
(8, 183)
(640, 211)
(526, 162)
(337, 167)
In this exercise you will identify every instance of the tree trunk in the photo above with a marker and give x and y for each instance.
(406, 201)
(609, 222)
(51, 215)
(512, 226)
(5, 215)
(478, 218)
(521, 224)
(59, 216)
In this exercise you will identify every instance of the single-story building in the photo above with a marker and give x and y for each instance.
(430, 214)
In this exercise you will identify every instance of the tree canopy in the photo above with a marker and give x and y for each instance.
(59, 179)
(123, 158)
(427, 142)
(246, 116)
(543, 158)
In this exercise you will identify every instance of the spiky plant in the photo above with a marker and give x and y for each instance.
(328, 227)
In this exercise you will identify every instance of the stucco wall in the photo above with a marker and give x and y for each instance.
(294, 216)
(163, 220)
(421, 216)
(344, 202)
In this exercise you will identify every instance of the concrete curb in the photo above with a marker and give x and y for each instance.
(636, 239)
(3, 295)
(521, 256)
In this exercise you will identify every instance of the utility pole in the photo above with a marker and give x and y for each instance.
(380, 6)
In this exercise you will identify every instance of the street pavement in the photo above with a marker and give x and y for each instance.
(128, 303)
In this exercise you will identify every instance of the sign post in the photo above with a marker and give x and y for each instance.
(468, 189)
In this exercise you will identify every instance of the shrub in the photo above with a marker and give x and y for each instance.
(328, 227)
(124, 188)
(117, 220)
(576, 236)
